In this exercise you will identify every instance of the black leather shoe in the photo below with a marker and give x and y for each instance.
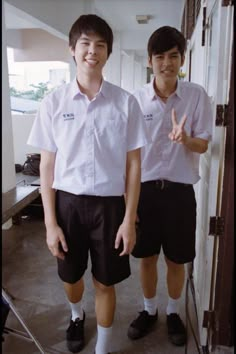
(75, 335)
(142, 325)
(176, 330)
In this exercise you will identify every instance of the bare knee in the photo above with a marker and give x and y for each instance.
(101, 288)
(149, 262)
(174, 267)
(74, 291)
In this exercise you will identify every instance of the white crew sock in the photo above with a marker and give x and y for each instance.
(104, 338)
(150, 305)
(76, 310)
(173, 306)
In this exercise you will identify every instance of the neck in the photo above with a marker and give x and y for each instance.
(164, 88)
(89, 85)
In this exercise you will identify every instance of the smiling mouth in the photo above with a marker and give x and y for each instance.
(91, 61)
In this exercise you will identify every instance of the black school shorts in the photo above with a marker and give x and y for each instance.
(90, 225)
(167, 217)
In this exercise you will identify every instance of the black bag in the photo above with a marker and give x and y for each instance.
(18, 168)
(31, 165)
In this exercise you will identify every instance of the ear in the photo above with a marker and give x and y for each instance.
(182, 60)
(150, 62)
(72, 51)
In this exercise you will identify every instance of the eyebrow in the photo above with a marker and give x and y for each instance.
(84, 37)
(170, 53)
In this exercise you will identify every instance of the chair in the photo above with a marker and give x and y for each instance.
(7, 305)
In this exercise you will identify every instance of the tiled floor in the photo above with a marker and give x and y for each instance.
(29, 273)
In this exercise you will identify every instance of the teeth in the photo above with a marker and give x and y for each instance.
(91, 61)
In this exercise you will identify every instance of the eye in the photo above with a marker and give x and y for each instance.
(84, 42)
(101, 45)
(174, 56)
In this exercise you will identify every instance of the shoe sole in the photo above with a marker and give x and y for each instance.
(73, 349)
(178, 343)
(134, 336)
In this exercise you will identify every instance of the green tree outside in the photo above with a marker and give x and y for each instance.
(37, 95)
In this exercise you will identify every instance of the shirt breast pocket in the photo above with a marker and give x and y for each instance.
(111, 129)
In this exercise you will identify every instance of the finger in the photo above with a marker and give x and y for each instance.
(177, 135)
(125, 247)
(57, 253)
(61, 256)
(117, 241)
(173, 117)
(125, 250)
(64, 245)
(123, 253)
(183, 121)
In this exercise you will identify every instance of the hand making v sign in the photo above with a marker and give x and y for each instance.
(178, 133)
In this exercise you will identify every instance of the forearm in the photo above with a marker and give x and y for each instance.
(48, 194)
(133, 179)
(196, 144)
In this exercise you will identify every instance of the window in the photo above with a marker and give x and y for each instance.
(29, 84)
(190, 15)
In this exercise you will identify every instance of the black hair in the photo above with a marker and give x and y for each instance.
(164, 39)
(91, 24)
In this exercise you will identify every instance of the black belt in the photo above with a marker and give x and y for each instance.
(163, 183)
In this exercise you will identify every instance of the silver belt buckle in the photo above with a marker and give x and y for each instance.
(162, 183)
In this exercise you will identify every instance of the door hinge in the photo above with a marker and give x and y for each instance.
(227, 2)
(204, 26)
(217, 226)
(208, 319)
(222, 115)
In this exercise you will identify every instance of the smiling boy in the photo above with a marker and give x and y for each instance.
(90, 133)
(179, 123)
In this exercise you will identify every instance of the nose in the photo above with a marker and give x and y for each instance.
(166, 60)
(92, 48)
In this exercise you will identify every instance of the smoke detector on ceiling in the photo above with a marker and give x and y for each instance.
(142, 19)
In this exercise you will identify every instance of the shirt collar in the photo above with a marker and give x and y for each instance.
(104, 89)
(178, 90)
(152, 93)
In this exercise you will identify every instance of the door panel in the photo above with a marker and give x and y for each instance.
(209, 189)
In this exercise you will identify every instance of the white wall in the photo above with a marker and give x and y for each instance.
(198, 54)
(112, 69)
(22, 125)
(14, 38)
(8, 168)
(39, 45)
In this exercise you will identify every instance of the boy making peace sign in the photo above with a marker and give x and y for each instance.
(179, 122)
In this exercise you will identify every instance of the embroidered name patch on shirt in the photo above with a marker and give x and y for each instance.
(68, 116)
(148, 116)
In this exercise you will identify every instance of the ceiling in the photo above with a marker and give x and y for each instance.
(121, 15)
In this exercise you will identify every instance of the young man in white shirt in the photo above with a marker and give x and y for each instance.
(179, 122)
(90, 133)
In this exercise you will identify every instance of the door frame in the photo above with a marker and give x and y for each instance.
(223, 334)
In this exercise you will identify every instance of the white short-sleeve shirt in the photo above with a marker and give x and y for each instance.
(164, 159)
(90, 138)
